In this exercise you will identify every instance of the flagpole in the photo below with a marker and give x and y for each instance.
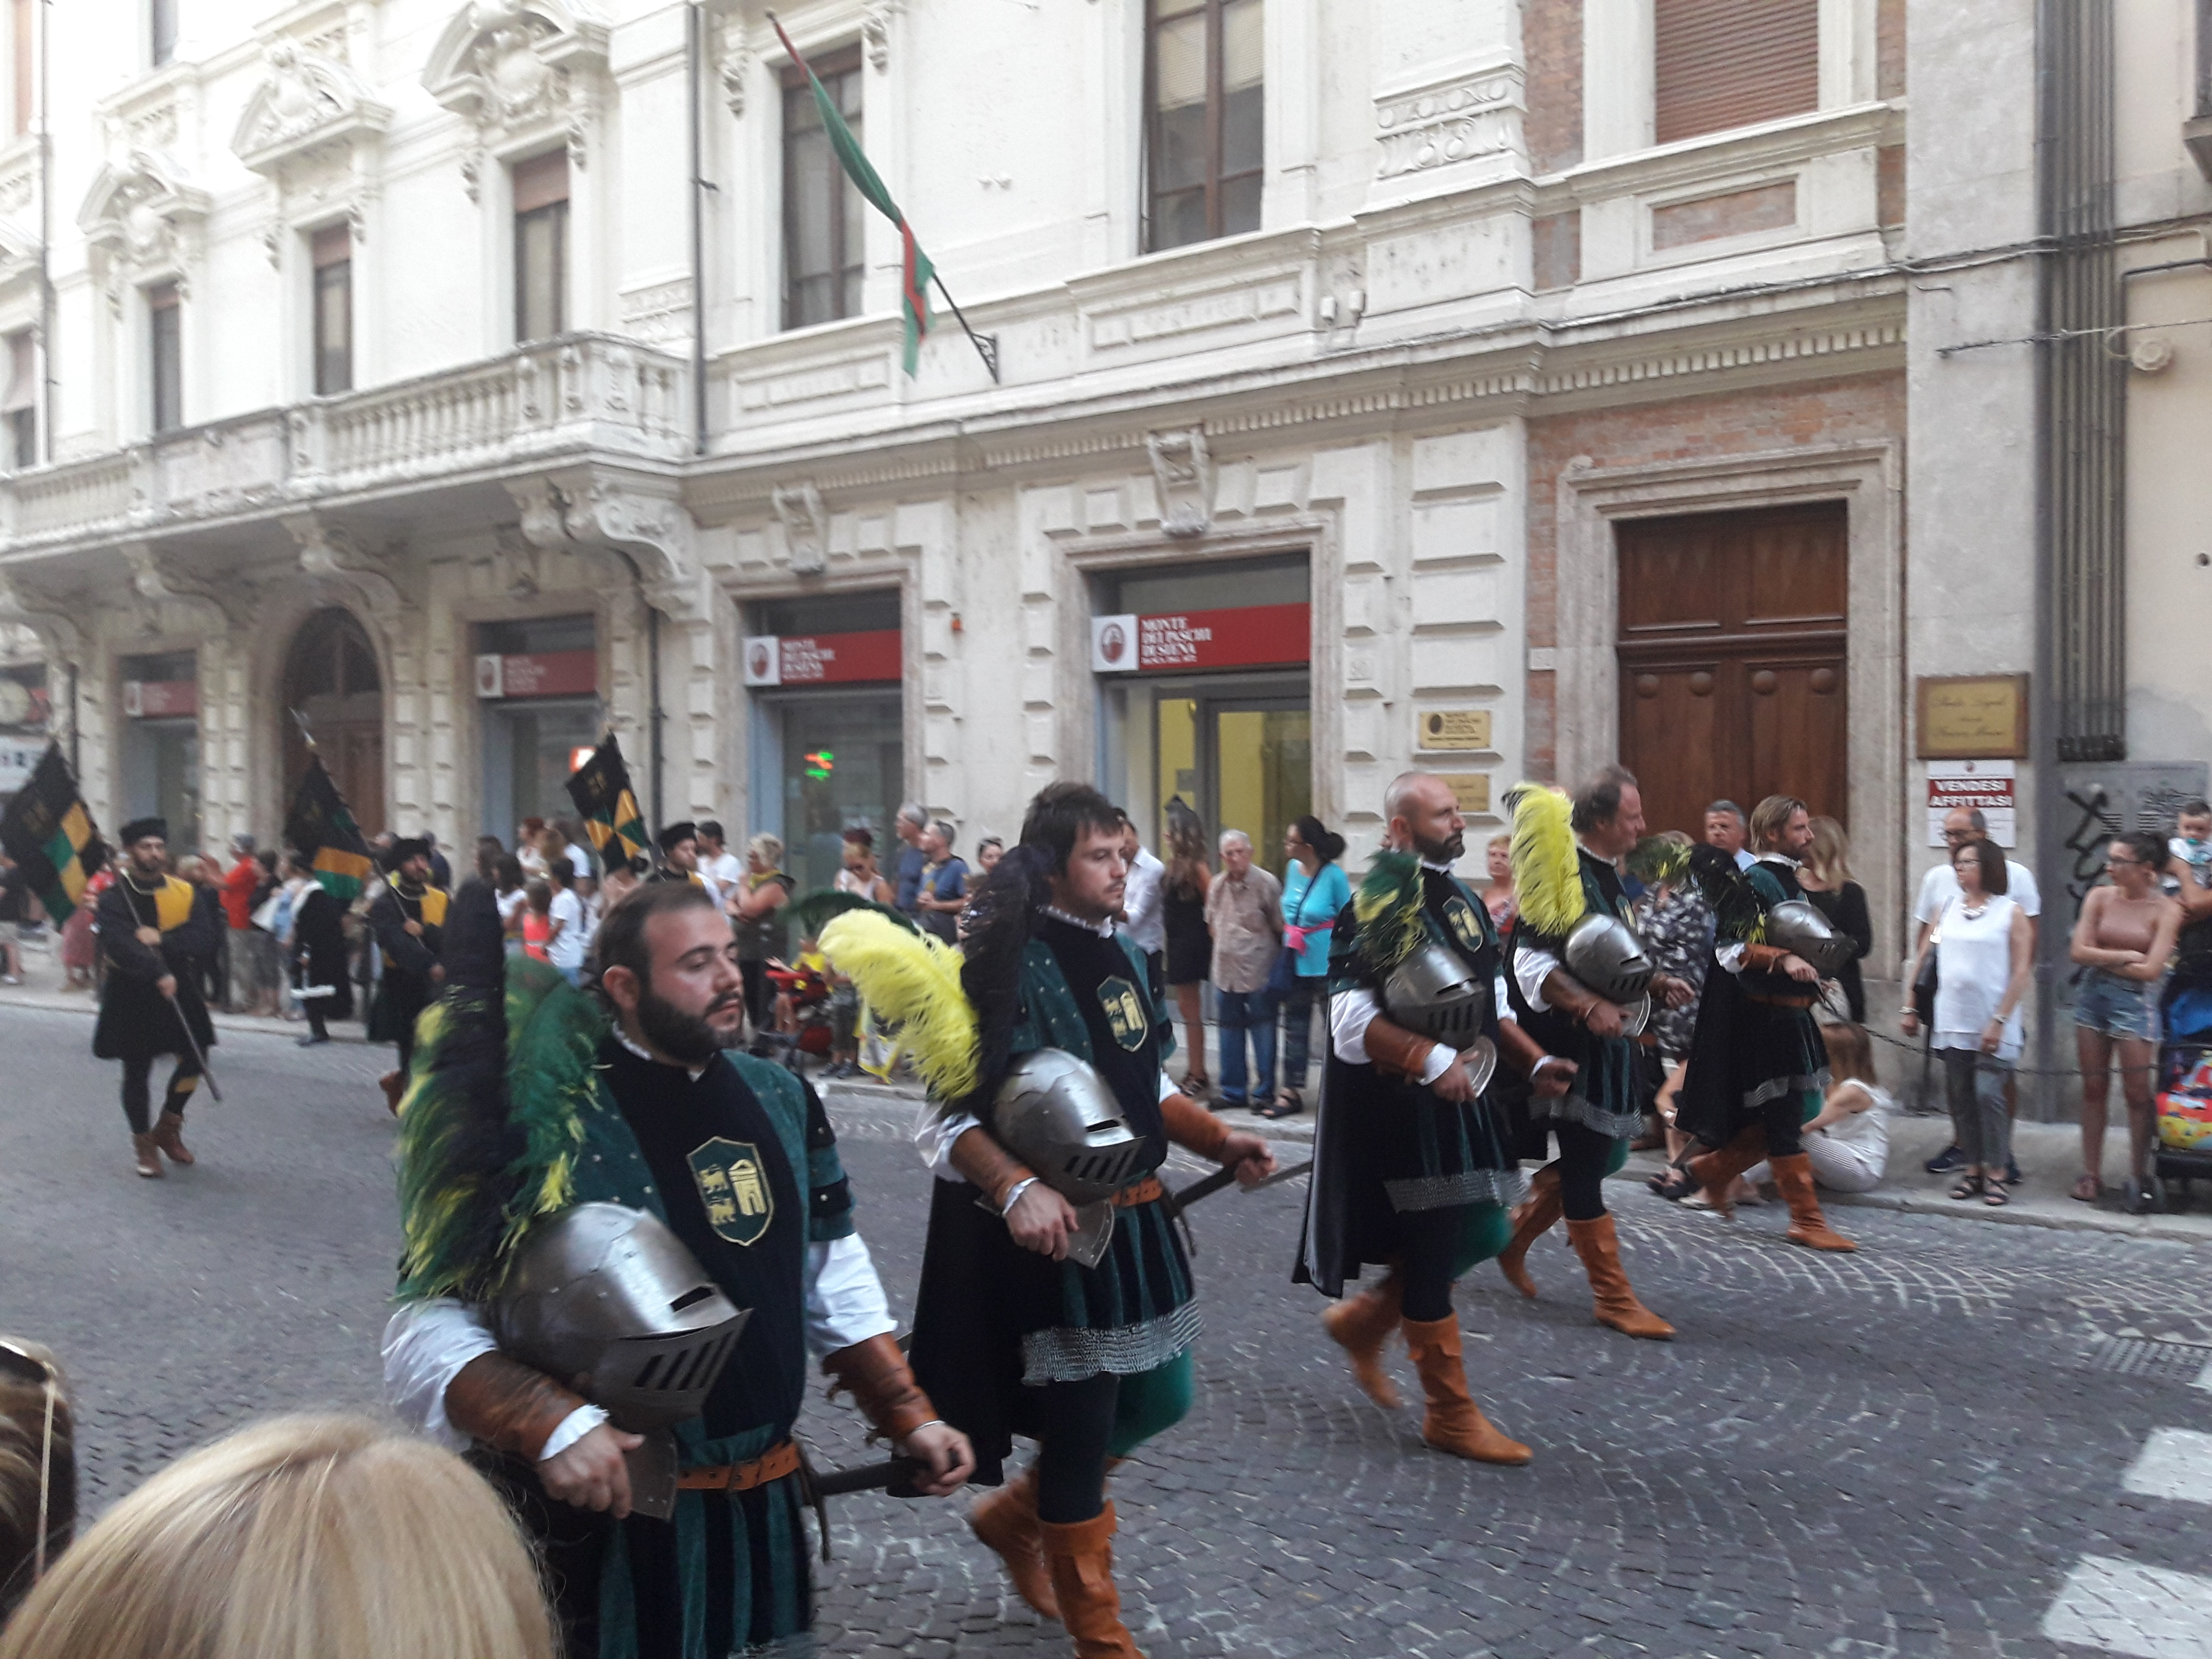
(987, 345)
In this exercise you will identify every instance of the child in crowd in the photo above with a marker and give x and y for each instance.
(537, 922)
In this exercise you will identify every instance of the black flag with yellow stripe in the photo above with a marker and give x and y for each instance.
(604, 800)
(322, 828)
(51, 836)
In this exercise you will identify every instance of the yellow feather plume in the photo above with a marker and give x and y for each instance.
(913, 979)
(1548, 878)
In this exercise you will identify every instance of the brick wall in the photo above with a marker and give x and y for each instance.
(1766, 418)
(1889, 49)
(1552, 44)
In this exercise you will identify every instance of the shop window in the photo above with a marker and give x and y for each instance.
(541, 247)
(22, 405)
(165, 342)
(1723, 64)
(1205, 120)
(332, 251)
(828, 613)
(824, 217)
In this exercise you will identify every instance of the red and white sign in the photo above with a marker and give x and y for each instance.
(874, 656)
(1987, 786)
(155, 700)
(1243, 636)
(538, 674)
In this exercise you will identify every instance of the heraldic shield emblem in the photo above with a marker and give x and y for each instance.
(1125, 1012)
(1466, 932)
(733, 1184)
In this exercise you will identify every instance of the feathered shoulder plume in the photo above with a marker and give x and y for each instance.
(1738, 913)
(1002, 918)
(1548, 875)
(908, 977)
(1659, 858)
(1387, 908)
(492, 1122)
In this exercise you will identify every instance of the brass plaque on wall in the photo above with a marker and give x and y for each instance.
(1453, 728)
(1972, 717)
(1470, 789)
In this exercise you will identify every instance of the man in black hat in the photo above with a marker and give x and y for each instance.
(679, 855)
(157, 942)
(407, 917)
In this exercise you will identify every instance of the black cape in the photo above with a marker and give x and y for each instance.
(318, 947)
(137, 1022)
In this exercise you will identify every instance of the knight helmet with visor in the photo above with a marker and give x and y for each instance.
(1796, 927)
(1054, 1113)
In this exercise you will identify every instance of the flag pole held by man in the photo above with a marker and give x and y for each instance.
(608, 805)
(52, 837)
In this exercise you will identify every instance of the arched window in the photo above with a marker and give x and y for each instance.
(331, 682)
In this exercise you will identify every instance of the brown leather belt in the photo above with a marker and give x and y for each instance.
(1147, 1191)
(773, 1464)
(1765, 1000)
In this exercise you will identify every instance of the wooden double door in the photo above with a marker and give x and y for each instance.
(1732, 656)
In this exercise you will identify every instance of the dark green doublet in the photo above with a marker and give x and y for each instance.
(1606, 1093)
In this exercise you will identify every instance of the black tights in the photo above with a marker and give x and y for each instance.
(1076, 1422)
(1430, 1241)
(138, 1080)
(1783, 1120)
(1585, 1156)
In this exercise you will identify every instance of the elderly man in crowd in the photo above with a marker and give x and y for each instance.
(1725, 828)
(1245, 911)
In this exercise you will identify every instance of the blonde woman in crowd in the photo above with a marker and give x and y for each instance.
(328, 1536)
(38, 1468)
(1825, 879)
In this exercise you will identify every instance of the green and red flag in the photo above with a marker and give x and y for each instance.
(321, 828)
(51, 836)
(916, 270)
(601, 789)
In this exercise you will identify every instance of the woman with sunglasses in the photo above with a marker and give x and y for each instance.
(2123, 941)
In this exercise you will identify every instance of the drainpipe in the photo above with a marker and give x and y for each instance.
(693, 29)
(46, 382)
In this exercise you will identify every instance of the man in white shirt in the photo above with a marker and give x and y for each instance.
(1142, 917)
(722, 869)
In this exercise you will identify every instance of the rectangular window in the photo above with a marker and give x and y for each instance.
(23, 63)
(824, 218)
(165, 339)
(22, 405)
(1205, 126)
(1723, 63)
(333, 257)
(541, 246)
(162, 18)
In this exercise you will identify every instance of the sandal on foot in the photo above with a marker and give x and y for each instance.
(1287, 1105)
(1995, 1195)
(1969, 1186)
(2087, 1190)
(1674, 1184)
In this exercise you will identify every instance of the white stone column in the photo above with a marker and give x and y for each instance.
(1618, 48)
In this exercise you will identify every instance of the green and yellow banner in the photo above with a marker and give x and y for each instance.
(49, 833)
(321, 826)
(604, 800)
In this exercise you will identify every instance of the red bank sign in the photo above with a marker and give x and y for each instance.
(538, 674)
(1245, 636)
(871, 658)
(154, 700)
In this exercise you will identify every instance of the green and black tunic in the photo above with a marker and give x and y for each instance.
(1606, 1095)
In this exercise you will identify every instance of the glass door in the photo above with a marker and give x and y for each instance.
(1243, 762)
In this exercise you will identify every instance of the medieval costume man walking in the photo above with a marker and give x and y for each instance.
(1759, 1068)
(527, 1101)
(157, 943)
(318, 953)
(407, 918)
(1575, 916)
(1411, 1167)
(1071, 1325)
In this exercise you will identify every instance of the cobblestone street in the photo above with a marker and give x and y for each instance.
(1962, 1440)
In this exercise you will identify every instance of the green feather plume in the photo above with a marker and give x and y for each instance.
(1387, 908)
(1659, 858)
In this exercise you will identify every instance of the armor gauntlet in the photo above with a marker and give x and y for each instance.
(506, 1405)
(979, 1158)
(882, 1385)
(1191, 1127)
(1396, 1051)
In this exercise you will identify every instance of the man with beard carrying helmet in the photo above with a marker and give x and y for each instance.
(1581, 986)
(1411, 1166)
(529, 1116)
(1056, 1299)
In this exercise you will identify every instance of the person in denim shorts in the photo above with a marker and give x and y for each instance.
(2123, 941)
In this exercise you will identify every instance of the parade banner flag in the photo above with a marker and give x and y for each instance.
(51, 836)
(601, 789)
(323, 829)
(914, 266)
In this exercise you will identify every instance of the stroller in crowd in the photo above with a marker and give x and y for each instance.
(2182, 1154)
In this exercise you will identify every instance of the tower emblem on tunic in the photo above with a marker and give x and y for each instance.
(734, 1186)
(1125, 1012)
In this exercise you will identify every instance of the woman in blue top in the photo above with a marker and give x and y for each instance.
(1314, 888)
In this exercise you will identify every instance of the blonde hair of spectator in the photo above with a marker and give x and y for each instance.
(38, 1467)
(1850, 1053)
(1770, 819)
(332, 1537)
(767, 848)
(1829, 858)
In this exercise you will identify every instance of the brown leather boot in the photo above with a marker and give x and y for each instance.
(1616, 1305)
(1536, 1216)
(394, 1085)
(148, 1156)
(1808, 1226)
(1360, 1325)
(1715, 1171)
(1006, 1521)
(1453, 1423)
(1081, 1554)
(169, 1136)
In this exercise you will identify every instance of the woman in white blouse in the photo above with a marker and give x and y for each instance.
(1984, 950)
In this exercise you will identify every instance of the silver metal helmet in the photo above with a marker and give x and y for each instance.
(1796, 927)
(1434, 993)
(608, 1302)
(1604, 954)
(1055, 1114)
